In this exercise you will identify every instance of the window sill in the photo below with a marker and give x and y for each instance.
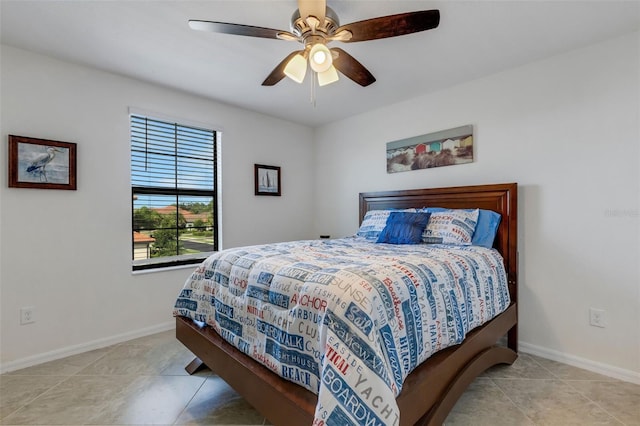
(165, 264)
(164, 269)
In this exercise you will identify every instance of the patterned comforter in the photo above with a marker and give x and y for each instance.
(347, 319)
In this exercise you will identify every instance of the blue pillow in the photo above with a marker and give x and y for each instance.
(404, 228)
(486, 228)
(374, 222)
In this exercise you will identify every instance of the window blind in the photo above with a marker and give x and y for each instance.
(170, 155)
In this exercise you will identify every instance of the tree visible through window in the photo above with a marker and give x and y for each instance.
(173, 186)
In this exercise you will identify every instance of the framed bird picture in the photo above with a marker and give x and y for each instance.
(41, 163)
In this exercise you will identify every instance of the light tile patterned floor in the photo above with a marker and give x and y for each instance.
(143, 382)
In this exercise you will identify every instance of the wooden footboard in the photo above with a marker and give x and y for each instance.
(428, 394)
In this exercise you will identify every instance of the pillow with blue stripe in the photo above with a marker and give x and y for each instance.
(451, 227)
(404, 228)
(486, 227)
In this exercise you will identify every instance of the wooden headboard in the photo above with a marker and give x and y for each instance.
(501, 198)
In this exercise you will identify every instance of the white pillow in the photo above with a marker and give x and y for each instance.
(451, 227)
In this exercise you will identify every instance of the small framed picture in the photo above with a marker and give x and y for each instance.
(267, 179)
(41, 163)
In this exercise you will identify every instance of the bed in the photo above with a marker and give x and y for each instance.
(432, 388)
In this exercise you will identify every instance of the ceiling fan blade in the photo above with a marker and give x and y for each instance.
(278, 72)
(315, 8)
(353, 69)
(391, 25)
(237, 29)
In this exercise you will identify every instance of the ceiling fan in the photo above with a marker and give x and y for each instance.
(314, 24)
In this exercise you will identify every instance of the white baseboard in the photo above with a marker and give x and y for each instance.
(596, 367)
(586, 364)
(84, 347)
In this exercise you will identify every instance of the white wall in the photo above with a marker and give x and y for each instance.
(68, 253)
(567, 130)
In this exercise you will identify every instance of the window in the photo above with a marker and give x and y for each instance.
(173, 186)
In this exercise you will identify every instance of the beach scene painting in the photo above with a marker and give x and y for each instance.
(444, 148)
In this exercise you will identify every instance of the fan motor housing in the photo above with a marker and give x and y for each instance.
(300, 27)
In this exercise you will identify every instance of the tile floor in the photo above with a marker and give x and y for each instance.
(143, 382)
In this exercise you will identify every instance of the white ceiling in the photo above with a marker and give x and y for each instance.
(151, 40)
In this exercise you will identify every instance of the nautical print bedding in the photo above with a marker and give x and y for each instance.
(347, 319)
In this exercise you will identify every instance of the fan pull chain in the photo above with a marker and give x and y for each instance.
(313, 88)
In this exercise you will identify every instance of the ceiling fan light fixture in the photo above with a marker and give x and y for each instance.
(296, 69)
(327, 77)
(320, 58)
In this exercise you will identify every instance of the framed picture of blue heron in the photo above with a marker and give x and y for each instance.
(41, 163)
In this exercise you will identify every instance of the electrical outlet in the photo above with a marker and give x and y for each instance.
(596, 317)
(27, 315)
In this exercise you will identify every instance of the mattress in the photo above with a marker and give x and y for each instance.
(347, 319)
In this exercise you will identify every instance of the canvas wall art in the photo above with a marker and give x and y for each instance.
(443, 148)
